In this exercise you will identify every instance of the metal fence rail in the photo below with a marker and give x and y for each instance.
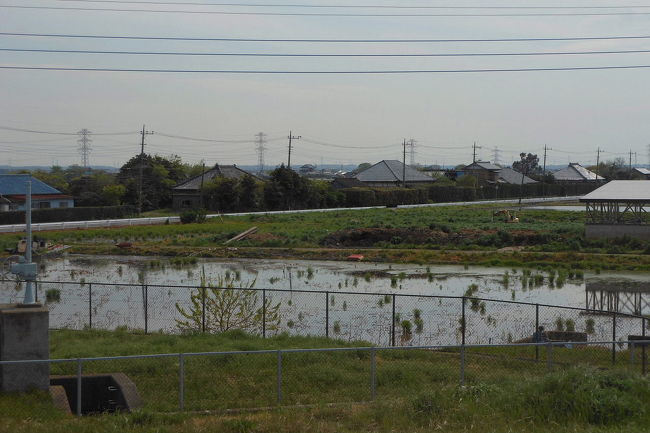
(391, 319)
(263, 378)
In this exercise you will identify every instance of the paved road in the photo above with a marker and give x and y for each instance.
(70, 225)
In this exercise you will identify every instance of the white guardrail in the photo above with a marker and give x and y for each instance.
(70, 225)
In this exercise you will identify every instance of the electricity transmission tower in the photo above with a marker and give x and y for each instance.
(261, 141)
(411, 144)
(84, 146)
(496, 154)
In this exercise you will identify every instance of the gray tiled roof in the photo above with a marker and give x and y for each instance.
(486, 165)
(621, 190)
(390, 170)
(227, 171)
(508, 175)
(643, 171)
(14, 184)
(576, 173)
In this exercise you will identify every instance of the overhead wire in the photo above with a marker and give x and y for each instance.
(7, 128)
(321, 40)
(328, 14)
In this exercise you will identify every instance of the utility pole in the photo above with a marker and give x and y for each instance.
(291, 137)
(261, 141)
(404, 165)
(141, 167)
(630, 166)
(597, 163)
(411, 144)
(474, 152)
(84, 146)
(546, 149)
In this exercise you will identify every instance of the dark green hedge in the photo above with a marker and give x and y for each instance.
(68, 214)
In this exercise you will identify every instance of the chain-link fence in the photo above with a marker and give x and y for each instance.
(266, 378)
(382, 319)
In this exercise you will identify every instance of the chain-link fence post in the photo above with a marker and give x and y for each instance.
(90, 305)
(613, 338)
(392, 321)
(373, 373)
(463, 324)
(327, 314)
(279, 378)
(643, 358)
(79, 372)
(181, 381)
(537, 332)
(202, 308)
(264, 313)
(462, 365)
(146, 309)
(549, 356)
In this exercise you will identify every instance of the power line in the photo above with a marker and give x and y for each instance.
(321, 72)
(341, 146)
(353, 6)
(169, 38)
(233, 54)
(207, 140)
(33, 131)
(327, 14)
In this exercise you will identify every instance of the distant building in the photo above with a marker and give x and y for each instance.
(13, 190)
(390, 172)
(484, 171)
(513, 177)
(575, 173)
(187, 195)
(643, 172)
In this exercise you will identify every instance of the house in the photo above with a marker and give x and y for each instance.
(347, 182)
(13, 190)
(390, 173)
(187, 195)
(484, 171)
(575, 173)
(513, 177)
(642, 173)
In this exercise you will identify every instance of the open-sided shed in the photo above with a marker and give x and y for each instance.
(617, 209)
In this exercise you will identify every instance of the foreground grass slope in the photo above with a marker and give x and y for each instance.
(417, 390)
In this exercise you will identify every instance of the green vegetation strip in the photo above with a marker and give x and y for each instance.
(417, 390)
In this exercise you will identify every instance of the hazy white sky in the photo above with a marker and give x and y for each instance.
(573, 113)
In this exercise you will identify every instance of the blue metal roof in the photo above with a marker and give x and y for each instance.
(14, 184)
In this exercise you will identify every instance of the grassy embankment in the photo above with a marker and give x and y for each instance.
(417, 390)
(422, 235)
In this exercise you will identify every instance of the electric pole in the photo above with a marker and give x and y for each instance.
(261, 141)
(597, 163)
(411, 144)
(474, 152)
(404, 165)
(630, 166)
(141, 167)
(84, 146)
(291, 137)
(546, 149)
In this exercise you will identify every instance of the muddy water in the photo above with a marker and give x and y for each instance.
(367, 316)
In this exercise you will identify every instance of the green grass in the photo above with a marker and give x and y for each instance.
(417, 390)
(555, 238)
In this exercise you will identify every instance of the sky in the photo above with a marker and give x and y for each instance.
(341, 118)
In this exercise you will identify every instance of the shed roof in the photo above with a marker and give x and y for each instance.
(576, 173)
(390, 170)
(227, 171)
(14, 184)
(643, 171)
(620, 191)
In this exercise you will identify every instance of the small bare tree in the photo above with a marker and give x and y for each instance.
(228, 307)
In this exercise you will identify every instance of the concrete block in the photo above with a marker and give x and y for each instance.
(24, 336)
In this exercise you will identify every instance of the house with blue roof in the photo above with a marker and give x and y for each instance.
(13, 189)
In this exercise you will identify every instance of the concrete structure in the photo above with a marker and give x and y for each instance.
(391, 173)
(12, 193)
(187, 195)
(24, 335)
(617, 209)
